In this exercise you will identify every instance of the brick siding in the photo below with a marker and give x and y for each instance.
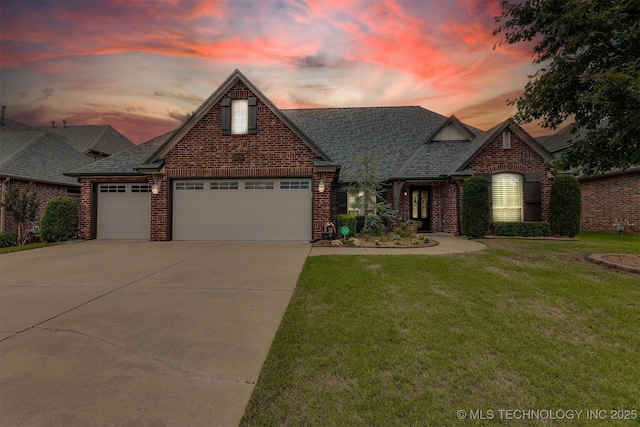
(607, 199)
(87, 217)
(275, 151)
(519, 159)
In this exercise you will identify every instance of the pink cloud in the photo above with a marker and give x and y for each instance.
(308, 53)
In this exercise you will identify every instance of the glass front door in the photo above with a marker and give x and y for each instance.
(420, 206)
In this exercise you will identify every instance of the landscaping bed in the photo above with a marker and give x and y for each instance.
(362, 241)
(626, 262)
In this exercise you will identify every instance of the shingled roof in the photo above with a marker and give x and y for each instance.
(123, 163)
(102, 139)
(391, 134)
(37, 155)
(561, 140)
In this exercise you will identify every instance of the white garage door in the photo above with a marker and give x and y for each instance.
(264, 209)
(124, 211)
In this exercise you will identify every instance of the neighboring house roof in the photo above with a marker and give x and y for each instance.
(102, 139)
(123, 163)
(10, 125)
(215, 98)
(37, 155)
(561, 140)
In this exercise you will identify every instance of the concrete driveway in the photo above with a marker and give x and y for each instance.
(138, 333)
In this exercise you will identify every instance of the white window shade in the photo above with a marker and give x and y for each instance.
(506, 192)
(355, 201)
(239, 116)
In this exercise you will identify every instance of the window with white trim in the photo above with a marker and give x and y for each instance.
(355, 201)
(239, 116)
(506, 194)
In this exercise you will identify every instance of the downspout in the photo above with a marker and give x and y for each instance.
(2, 210)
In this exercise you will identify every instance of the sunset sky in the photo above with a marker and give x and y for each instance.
(143, 65)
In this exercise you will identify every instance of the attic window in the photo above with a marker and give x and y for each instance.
(506, 140)
(239, 116)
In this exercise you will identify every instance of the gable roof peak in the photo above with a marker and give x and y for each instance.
(215, 97)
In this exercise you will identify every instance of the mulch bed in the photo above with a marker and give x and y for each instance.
(371, 243)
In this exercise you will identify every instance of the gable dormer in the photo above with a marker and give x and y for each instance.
(453, 130)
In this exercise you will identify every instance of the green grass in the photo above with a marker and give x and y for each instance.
(26, 247)
(410, 340)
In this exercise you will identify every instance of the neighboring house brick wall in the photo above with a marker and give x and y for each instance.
(46, 192)
(519, 159)
(607, 199)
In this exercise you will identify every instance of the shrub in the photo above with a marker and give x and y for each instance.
(348, 220)
(476, 209)
(565, 205)
(407, 228)
(521, 229)
(8, 240)
(375, 225)
(359, 223)
(60, 220)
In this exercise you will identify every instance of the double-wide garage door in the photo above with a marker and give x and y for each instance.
(247, 209)
(124, 211)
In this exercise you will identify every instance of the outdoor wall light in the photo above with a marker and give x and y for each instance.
(155, 188)
(321, 186)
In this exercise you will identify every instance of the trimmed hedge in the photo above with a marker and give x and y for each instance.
(60, 220)
(8, 240)
(476, 208)
(521, 229)
(565, 206)
(350, 221)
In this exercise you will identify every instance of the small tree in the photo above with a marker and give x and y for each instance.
(60, 220)
(476, 209)
(377, 211)
(23, 204)
(565, 206)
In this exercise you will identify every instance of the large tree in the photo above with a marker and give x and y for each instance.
(589, 56)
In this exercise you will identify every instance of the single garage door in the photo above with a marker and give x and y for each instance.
(264, 209)
(124, 211)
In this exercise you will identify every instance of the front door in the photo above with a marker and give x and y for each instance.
(420, 199)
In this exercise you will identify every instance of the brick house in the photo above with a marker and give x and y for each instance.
(241, 169)
(38, 157)
(606, 198)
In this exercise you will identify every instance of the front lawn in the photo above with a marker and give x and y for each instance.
(411, 340)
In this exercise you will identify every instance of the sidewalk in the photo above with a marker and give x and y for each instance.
(449, 244)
